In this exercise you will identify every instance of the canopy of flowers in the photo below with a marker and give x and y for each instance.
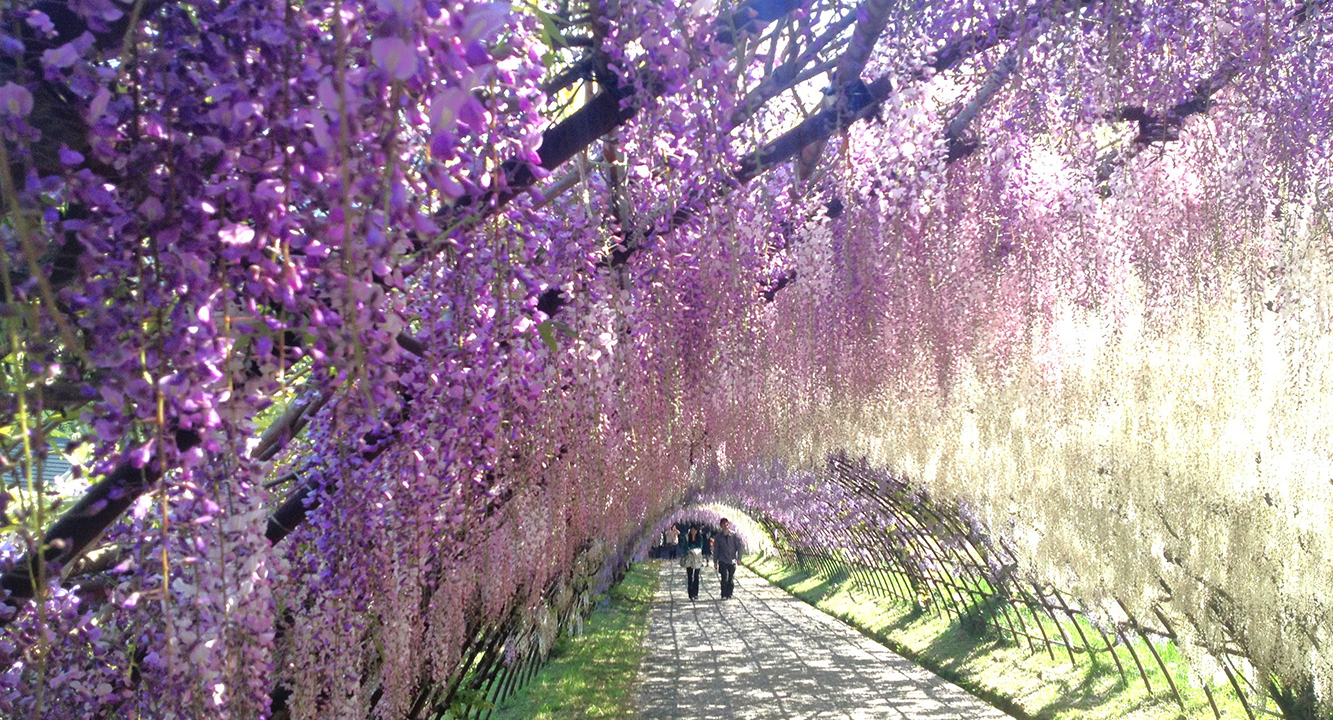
(375, 317)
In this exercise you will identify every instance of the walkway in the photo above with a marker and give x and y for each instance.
(783, 659)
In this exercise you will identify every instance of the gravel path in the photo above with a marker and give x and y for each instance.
(766, 654)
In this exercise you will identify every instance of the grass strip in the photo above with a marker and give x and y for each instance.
(594, 675)
(1027, 685)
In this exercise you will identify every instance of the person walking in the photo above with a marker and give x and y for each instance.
(726, 553)
(672, 542)
(693, 562)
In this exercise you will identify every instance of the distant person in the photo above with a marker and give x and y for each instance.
(672, 542)
(726, 553)
(693, 561)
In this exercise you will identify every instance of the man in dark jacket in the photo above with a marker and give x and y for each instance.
(726, 553)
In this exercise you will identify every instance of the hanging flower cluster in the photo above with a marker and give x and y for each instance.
(365, 388)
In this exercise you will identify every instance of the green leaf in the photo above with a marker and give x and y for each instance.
(550, 30)
(548, 335)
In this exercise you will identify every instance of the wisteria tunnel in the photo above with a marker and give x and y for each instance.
(352, 348)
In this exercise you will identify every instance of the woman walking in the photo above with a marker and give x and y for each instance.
(672, 542)
(693, 561)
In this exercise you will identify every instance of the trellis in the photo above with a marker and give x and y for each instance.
(926, 555)
(922, 559)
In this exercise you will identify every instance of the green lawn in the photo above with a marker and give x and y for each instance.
(594, 675)
(1017, 680)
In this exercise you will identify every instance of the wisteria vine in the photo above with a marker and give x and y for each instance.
(376, 318)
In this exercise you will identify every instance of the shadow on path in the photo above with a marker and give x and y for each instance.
(766, 654)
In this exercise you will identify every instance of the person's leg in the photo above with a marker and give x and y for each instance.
(694, 582)
(728, 579)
